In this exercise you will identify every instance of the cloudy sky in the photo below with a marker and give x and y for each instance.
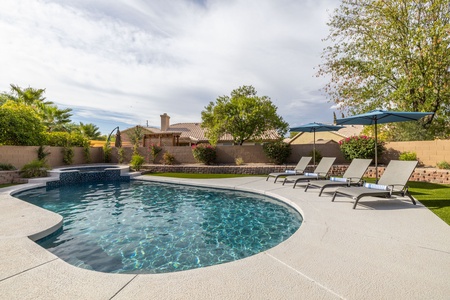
(125, 62)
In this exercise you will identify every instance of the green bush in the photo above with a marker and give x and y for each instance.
(7, 167)
(410, 156)
(62, 139)
(107, 152)
(137, 161)
(20, 125)
(277, 152)
(120, 155)
(87, 152)
(154, 150)
(168, 158)
(443, 165)
(204, 153)
(316, 154)
(42, 154)
(36, 168)
(360, 147)
(68, 155)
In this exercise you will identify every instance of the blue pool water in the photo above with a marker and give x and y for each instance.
(145, 227)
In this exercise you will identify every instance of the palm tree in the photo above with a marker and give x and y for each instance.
(90, 131)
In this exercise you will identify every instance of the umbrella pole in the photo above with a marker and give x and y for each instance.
(376, 152)
(314, 149)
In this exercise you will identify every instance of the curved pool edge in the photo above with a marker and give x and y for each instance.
(318, 262)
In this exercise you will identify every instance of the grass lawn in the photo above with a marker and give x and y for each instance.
(436, 197)
(7, 184)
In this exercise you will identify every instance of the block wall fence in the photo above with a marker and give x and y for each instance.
(428, 153)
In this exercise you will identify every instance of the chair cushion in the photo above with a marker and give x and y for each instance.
(376, 186)
(338, 179)
(312, 174)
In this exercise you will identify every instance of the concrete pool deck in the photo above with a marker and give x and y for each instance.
(384, 249)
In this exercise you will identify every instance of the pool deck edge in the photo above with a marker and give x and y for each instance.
(383, 249)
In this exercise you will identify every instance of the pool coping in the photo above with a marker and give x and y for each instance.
(383, 249)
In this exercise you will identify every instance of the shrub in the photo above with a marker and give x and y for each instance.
(360, 147)
(7, 167)
(168, 158)
(36, 168)
(137, 161)
(443, 165)
(154, 150)
(87, 152)
(408, 156)
(204, 153)
(239, 161)
(68, 155)
(121, 155)
(316, 154)
(277, 152)
(42, 154)
(107, 152)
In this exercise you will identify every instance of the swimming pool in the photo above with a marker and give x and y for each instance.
(146, 227)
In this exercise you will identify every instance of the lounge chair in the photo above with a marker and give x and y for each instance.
(392, 182)
(320, 172)
(299, 169)
(352, 176)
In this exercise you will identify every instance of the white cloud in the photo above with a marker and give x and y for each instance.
(143, 58)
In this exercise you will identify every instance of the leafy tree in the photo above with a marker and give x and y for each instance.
(90, 131)
(244, 116)
(391, 54)
(135, 137)
(52, 117)
(20, 125)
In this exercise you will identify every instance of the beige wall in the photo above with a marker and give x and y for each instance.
(18, 156)
(428, 152)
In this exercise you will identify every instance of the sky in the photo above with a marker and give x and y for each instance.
(126, 62)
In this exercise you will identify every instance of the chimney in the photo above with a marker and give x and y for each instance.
(165, 122)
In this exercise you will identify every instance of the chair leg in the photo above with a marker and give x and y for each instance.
(406, 193)
(334, 196)
(295, 183)
(307, 186)
(321, 190)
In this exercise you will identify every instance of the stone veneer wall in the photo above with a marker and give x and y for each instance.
(11, 177)
(420, 174)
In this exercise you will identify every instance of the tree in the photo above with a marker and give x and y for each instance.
(244, 116)
(20, 125)
(135, 137)
(391, 54)
(53, 118)
(90, 131)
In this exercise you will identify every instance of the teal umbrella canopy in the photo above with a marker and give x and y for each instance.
(379, 116)
(382, 116)
(315, 127)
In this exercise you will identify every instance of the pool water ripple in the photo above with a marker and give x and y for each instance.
(145, 227)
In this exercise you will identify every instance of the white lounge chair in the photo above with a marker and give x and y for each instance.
(352, 176)
(299, 169)
(392, 182)
(320, 172)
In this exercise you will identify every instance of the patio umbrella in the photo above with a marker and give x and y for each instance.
(315, 127)
(118, 142)
(378, 117)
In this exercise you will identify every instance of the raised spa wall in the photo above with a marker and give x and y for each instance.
(91, 173)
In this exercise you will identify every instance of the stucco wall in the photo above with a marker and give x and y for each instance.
(18, 156)
(428, 152)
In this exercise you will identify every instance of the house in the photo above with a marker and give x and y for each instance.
(325, 137)
(182, 134)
